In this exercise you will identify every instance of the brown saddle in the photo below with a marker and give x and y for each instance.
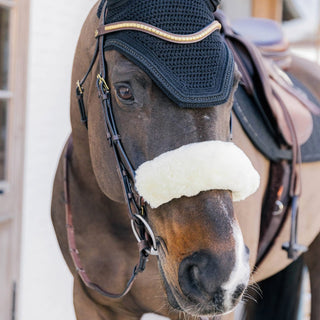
(262, 53)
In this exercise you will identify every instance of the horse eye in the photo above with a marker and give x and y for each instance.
(125, 93)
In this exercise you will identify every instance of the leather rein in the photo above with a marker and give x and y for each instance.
(136, 207)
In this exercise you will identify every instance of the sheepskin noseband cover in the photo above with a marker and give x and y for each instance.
(197, 167)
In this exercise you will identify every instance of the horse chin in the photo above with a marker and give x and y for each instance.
(179, 303)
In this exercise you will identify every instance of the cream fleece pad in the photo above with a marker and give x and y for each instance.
(197, 167)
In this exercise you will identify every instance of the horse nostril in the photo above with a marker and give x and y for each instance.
(189, 279)
(200, 276)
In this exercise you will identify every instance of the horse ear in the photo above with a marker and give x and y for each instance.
(116, 2)
(100, 8)
(111, 3)
(215, 4)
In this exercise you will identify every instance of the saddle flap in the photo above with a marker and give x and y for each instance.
(300, 116)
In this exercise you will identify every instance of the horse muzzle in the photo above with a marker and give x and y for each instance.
(207, 282)
(214, 284)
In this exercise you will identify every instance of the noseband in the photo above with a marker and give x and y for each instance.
(135, 203)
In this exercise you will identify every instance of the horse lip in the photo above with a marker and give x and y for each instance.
(207, 313)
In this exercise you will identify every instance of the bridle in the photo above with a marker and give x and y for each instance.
(136, 207)
(137, 212)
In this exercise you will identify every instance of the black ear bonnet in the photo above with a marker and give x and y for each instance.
(199, 74)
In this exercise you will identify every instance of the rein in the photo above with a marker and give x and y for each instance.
(136, 207)
(74, 252)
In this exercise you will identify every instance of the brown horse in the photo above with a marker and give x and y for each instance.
(202, 268)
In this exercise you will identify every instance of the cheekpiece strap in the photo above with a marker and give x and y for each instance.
(136, 208)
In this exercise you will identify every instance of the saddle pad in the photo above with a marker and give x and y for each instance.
(259, 127)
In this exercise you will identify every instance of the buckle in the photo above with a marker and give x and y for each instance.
(153, 245)
(80, 89)
(102, 82)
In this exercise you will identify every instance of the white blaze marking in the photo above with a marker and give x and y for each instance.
(241, 271)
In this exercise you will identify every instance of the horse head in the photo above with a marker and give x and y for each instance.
(187, 170)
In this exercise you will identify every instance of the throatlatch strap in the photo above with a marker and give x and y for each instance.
(74, 252)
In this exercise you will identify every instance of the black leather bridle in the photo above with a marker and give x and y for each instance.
(136, 207)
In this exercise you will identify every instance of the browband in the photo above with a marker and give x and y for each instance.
(159, 33)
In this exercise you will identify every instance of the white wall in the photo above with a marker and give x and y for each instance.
(45, 290)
